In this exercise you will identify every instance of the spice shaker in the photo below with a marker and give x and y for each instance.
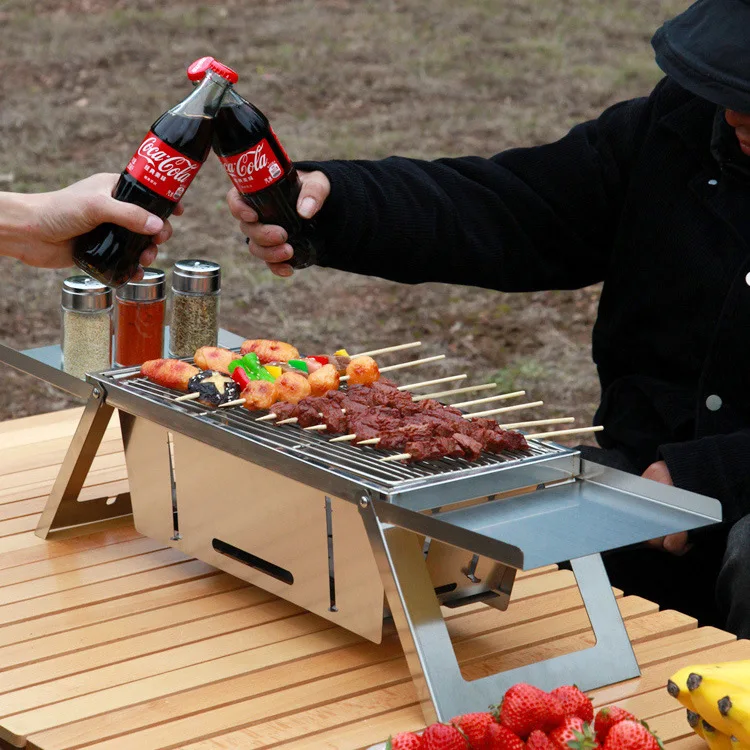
(140, 308)
(195, 306)
(86, 326)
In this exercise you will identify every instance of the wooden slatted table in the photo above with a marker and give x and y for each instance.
(112, 641)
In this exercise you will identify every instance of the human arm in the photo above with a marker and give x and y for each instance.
(38, 228)
(542, 217)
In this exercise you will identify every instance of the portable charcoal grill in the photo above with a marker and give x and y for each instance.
(333, 529)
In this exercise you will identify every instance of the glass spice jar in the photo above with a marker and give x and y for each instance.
(196, 285)
(86, 326)
(140, 308)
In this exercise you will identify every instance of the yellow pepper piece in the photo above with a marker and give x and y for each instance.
(273, 370)
(342, 353)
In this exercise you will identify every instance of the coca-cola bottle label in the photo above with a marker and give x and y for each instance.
(254, 169)
(160, 168)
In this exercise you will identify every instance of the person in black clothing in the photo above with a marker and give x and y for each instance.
(652, 199)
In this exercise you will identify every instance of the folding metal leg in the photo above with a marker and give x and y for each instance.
(63, 510)
(442, 690)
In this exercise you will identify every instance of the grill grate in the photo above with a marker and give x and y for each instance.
(354, 460)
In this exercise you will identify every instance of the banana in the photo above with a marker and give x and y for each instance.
(738, 744)
(724, 702)
(716, 740)
(696, 723)
(677, 686)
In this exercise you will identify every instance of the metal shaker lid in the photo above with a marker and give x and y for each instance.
(196, 276)
(84, 294)
(151, 287)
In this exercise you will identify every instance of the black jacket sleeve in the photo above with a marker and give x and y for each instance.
(526, 219)
(717, 466)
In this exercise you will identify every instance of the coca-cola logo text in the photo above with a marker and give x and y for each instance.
(254, 169)
(251, 161)
(179, 168)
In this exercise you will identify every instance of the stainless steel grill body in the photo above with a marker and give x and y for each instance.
(333, 529)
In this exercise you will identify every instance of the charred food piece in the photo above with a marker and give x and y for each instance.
(214, 388)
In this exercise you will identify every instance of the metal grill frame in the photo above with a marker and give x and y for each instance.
(344, 470)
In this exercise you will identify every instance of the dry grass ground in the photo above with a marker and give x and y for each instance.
(83, 79)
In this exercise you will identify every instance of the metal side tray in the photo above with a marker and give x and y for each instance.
(332, 528)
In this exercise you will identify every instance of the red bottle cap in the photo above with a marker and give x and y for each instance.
(197, 70)
(224, 71)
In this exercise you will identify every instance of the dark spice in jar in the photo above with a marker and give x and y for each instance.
(195, 306)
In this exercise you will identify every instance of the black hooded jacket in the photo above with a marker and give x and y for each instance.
(651, 200)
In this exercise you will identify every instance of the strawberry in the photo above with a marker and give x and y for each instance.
(525, 708)
(538, 740)
(574, 702)
(573, 734)
(474, 726)
(443, 737)
(404, 741)
(631, 735)
(498, 737)
(606, 718)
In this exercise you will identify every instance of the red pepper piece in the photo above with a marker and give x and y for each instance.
(240, 376)
(319, 358)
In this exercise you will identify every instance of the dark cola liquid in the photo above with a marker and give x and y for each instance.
(242, 129)
(110, 253)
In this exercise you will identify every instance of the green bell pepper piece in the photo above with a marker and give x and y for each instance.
(298, 364)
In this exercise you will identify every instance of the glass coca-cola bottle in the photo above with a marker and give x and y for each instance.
(156, 177)
(260, 168)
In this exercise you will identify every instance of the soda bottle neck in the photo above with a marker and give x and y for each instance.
(206, 98)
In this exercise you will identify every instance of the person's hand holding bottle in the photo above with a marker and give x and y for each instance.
(267, 241)
(39, 228)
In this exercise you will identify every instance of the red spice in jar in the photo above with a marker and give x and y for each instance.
(140, 309)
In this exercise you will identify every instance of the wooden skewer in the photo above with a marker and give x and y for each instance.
(188, 397)
(502, 409)
(536, 423)
(291, 420)
(316, 427)
(425, 383)
(402, 365)
(575, 431)
(266, 417)
(387, 349)
(236, 402)
(499, 397)
(397, 457)
(455, 391)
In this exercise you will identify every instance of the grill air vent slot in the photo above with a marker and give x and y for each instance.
(253, 561)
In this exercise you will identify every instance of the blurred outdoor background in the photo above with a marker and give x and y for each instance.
(83, 80)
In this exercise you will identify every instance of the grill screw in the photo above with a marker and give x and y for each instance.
(96, 392)
(364, 502)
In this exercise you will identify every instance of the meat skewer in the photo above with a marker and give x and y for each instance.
(353, 436)
(515, 425)
(272, 415)
(487, 413)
